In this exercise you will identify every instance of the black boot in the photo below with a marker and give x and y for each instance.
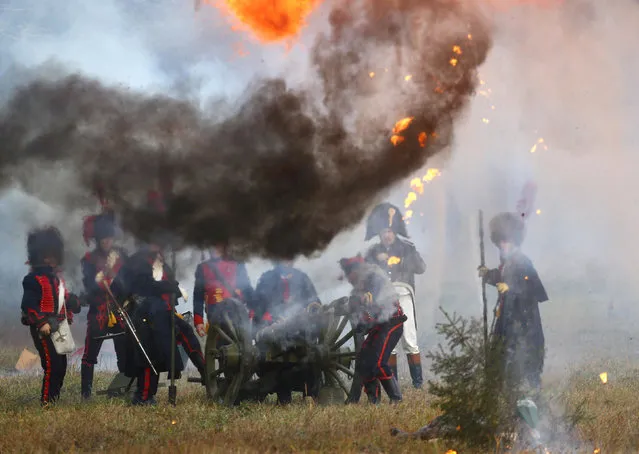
(198, 361)
(391, 386)
(392, 363)
(86, 378)
(284, 396)
(415, 367)
(372, 391)
(356, 390)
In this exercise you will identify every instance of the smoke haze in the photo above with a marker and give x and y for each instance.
(564, 72)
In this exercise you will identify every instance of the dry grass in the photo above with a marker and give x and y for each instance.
(610, 422)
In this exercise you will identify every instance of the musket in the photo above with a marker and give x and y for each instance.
(129, 324)
(172, 387)
(482, 259)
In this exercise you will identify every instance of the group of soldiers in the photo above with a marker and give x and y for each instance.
(131, 299)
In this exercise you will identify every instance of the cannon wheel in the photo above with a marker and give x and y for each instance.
(229, 352)
(336, 360)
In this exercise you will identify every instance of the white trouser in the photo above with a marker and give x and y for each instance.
(409, 338)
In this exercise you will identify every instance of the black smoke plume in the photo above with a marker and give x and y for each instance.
(286, 170)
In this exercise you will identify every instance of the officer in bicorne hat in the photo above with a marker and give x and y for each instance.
(401, 261)
(99, 267)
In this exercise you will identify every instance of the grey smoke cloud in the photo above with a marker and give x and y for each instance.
(284, 171)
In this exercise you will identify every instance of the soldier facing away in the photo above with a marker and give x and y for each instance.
(401, 261)
(99, 267)
(281, 292)
(282, 289)
(46, 304)
(217, 279)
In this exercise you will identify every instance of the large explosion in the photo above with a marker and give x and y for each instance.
(271, 20)
(288, 169)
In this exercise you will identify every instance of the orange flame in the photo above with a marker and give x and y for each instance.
(270, 20)
(417, 185)
(402, 124)
(422, 139)
(410, 198)
(431, 174)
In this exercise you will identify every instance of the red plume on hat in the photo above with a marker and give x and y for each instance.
(106, 213)
(348, 264)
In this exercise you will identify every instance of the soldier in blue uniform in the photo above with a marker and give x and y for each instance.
(280, 293)
(99, 267)
(46, 304)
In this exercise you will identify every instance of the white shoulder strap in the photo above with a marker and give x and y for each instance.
(61, 301)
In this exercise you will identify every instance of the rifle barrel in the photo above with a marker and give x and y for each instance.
(129, 324)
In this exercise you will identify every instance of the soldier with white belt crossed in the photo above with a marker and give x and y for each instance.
(399, 258)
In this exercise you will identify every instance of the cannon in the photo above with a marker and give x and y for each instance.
(306, 352)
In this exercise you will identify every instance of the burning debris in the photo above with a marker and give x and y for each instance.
(417, 187)
(284, 172)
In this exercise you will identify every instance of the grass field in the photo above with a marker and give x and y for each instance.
(609, 420)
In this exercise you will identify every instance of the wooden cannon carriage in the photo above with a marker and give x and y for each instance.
(306, 352)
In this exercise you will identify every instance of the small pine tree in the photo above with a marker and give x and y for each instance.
(477, 400)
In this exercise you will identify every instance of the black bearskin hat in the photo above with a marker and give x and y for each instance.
(385, 216)
(104, 226)
(44, 243)
(350, 263)
(508, 227)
